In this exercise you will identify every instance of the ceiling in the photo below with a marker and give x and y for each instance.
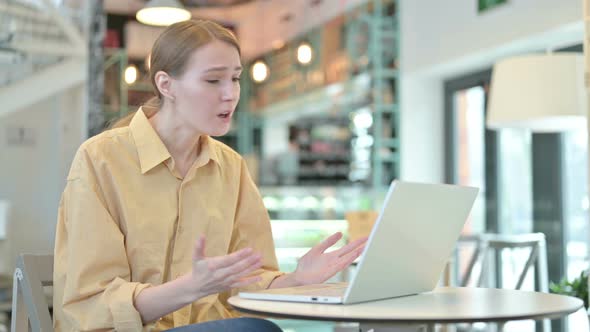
(260, 24)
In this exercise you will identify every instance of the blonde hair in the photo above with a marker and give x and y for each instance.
(171, 52)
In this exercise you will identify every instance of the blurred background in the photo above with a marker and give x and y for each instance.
(339, 98)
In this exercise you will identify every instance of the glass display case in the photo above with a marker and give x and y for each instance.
(302, 217)
(317, 202)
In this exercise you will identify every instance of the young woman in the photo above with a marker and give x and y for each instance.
(159, 223)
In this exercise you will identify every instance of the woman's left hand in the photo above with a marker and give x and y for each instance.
(317, 266)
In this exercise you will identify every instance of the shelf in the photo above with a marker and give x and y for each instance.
(303, 224)
(369, 84)
(390, 158)
(386, 73)
(390, 143)
(322, 176)
(293, 238)
(344, 93)
(387, 108)
(316, 156)
(327, 140)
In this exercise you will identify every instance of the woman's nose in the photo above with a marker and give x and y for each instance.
(229, 93)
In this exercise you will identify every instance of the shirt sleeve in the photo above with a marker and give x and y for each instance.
(91, 271)
(252, 229)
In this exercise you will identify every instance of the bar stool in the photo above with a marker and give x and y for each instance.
(488, 247)
(486, 256)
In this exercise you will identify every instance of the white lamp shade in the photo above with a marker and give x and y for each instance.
(542, 93)
(162, 13)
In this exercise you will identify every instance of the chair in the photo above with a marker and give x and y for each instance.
(29, 304)
(489, 246)
(486, 256)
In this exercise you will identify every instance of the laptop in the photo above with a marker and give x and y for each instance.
(406, 252)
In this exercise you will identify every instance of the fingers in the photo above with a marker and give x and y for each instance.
(238, 274)
(241, 268)
(347, 259)
(220, 262)
(327, 243)
(351, 246)
(343, 262)
(199, 249)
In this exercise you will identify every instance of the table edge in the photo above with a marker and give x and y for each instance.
(547, 315)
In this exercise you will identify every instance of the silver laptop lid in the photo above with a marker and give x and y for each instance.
(411, 241)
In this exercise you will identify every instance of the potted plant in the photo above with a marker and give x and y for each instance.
(576, 288)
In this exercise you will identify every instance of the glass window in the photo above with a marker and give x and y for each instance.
(469, 108)
(576, 201)
(516, 201)
(515, 189)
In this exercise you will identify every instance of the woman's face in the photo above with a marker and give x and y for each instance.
(207, 93)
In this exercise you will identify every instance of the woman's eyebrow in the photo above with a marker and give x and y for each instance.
(222, 68)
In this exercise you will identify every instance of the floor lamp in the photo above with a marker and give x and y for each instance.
(540, 93)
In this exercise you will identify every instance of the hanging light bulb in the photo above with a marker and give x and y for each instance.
(162, 13)
(304, 53)
(259, 71)
(130, 74)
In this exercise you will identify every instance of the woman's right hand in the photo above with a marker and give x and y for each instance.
(211, 275)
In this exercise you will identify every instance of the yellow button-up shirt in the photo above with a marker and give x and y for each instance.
(127, 221)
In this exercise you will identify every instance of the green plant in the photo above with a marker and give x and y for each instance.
(577, 287)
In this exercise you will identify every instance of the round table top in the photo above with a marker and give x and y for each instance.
(446, 304)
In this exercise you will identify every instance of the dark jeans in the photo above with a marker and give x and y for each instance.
(230, 325)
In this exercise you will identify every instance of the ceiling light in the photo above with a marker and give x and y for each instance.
(131, 74)
(162, 13)
(304, 53)
(363, 119)
(259, 71)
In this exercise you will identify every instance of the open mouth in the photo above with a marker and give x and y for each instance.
(224, 115)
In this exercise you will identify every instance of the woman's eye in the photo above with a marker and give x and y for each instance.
(213, 81)
(236, 79)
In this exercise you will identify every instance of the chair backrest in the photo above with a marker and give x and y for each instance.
(488, 246)
(29, 304)
(487, 253)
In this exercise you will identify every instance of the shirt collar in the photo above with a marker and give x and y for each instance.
(152, 151)
(209, 149)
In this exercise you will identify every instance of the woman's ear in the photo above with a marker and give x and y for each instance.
(164, 85)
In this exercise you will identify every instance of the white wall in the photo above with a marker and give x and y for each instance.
(33, 174)
(442, 40)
